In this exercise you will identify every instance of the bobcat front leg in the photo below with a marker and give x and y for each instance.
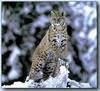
(56, 70)
(63, 58)
(36, 73)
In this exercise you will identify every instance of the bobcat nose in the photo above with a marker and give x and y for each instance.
(57, 24)
(58, 27)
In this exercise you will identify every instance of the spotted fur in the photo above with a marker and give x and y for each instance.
(53, 46)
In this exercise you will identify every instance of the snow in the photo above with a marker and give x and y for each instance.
(42, 18)
(32, 30)
(85, 85)
(92, 34)
(13, 62)
(16, 51)
(60, 81)
(72, 3)
(87, 10)
(69, 58)
(4, 78)
(4, 19)
(8, 36)
(43, 7)
(92, 16)
(16, 85)
(13, 74)
(93, 80)
(74, 68)
(82, 35)
(26, 9)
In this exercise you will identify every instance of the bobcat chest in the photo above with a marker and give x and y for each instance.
(58, 40)
(50, 55)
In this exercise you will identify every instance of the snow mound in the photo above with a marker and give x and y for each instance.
(60, 81)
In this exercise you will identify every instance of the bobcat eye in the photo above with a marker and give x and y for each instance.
(54, 18)
(59, 20)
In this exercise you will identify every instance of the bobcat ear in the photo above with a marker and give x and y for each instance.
(52, 13)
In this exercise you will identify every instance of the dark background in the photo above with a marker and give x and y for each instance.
(25, 23)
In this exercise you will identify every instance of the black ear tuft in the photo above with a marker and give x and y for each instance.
(62, 13)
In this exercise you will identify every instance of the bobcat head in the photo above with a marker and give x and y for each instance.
(58, 19)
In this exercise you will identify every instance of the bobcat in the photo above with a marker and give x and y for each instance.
(52, 47)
